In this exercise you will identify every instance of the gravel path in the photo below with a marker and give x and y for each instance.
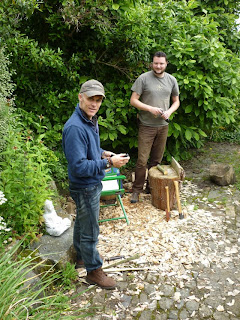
(186, 269)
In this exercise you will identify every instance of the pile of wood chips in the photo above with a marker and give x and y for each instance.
(151, 243)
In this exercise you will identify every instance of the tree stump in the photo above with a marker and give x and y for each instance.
(159, 180)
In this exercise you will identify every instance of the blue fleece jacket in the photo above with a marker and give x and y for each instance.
(81, 145)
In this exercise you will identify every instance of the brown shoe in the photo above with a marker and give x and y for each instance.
(101, 279)
(80, 263)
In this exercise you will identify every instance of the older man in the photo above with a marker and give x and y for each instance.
(86, 168)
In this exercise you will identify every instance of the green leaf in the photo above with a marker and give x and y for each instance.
(202, 133)
(188, 134)
(177, 126)
(115, 6)
(197, 112)
(188, 109)
(122, 129)
(196, 135)
(104, 136)
(175, 134)
(111, 136)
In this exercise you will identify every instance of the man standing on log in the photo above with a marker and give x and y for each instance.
(152, 92)
(86, 169)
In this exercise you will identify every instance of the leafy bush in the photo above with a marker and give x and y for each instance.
(207, 72)
(6, 88)
(58, 47)
(25, 178)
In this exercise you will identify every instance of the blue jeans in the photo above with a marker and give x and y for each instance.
(86, 227)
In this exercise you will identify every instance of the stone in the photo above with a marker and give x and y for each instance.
(165, 303)
(34, 283)
(160, 316)
(184, 314)
(167, 290)
(126, 300)
(143, 297)
(220, 316)
(149, 288)
(146, 314)
(173, 315)
(222, 174)
(152, 305)
(55, 249)
(205, 311)
(192, 305)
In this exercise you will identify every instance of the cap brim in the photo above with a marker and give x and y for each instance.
(94, 93)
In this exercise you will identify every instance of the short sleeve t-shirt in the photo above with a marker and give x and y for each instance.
(155, 92)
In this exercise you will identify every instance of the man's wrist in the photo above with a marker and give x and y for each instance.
(103, 154)
(109, 163)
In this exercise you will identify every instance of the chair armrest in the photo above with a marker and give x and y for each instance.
(107, 178)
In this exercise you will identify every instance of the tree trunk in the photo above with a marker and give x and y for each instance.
(158, 181)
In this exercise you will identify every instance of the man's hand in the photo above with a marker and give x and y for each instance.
(165, 114)
(119, 160)
(107, 154)
(155, 111)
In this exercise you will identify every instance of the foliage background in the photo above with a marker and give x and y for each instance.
(49, 48)
(56, 45)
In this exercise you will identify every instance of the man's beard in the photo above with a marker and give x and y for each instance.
(159, 72)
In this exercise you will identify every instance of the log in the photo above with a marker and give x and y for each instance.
(158, 181)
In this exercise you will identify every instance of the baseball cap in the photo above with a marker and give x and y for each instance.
(92, 88)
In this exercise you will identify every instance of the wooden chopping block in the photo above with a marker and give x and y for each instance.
(159, 180)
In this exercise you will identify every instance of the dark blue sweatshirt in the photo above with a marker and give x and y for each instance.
(81, 145)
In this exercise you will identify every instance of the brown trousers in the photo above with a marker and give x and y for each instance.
(151, 141)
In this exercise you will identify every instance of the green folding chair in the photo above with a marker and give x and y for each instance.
(112, 185)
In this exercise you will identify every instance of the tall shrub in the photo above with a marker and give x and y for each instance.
(25, 178)
(208, 73)
(6, 88)
(58, 47)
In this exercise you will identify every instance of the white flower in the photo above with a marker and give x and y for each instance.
(2, 198)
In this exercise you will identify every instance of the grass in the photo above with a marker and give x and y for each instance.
(22, 300)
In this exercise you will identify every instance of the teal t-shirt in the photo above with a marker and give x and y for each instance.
(155, 92)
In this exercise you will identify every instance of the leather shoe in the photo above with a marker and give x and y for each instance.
(101, 279)
(134, 197)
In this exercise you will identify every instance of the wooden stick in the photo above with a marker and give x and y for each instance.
(168, 205)
(181, 216)
(136, 256)
(106, 266)
(161, 169)
(126, 269)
